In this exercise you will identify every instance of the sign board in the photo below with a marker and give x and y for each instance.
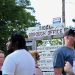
(29, 43)
(46, 52)
(48, 73)
(56, 20)
(42, 33)
(46, 58)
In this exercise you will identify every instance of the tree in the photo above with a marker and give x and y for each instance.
(73, 20)
(14, 17)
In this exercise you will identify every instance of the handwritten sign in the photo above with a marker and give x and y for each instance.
(48, 32)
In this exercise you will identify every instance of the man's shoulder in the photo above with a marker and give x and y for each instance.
(10, 56)
(61, 48)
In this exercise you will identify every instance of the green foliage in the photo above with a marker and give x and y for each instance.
(39, 42)
(73, 20)
(51, 42)
(3, 37)
(14, 17)
(56, 41)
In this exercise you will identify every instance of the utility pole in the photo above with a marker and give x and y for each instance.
(63, 12)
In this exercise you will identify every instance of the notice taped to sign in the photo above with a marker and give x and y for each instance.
(46, 58)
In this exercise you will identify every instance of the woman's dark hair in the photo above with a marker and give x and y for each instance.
(20, 39)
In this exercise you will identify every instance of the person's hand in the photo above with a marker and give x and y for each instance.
(68, 68)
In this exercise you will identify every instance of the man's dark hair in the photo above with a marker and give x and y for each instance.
(20, 39)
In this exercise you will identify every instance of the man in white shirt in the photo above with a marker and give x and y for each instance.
(20, 61)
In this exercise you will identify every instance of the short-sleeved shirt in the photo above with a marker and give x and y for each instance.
(62, 55)
(20, 62)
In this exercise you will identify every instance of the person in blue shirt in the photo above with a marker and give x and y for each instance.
(65, 53)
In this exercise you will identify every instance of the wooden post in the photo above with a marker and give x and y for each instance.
(63, 12)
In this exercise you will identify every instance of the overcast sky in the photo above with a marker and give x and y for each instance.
(46, 10)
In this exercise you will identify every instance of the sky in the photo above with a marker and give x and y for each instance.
(46, 10)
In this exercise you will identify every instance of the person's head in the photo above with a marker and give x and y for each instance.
(16, 41)
(35, 55)
(2, 57)
(69, 37)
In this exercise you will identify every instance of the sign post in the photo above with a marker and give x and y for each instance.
(46, 51)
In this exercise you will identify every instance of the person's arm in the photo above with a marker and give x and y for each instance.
(58, 71)
(58, 63)
(38, 70)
